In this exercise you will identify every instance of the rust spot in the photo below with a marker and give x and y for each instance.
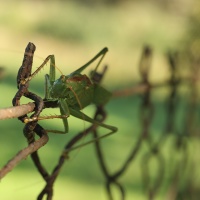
(80, 79)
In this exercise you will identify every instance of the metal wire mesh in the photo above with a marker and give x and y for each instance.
(173, 173)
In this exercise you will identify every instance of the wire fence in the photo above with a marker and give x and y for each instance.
(173, 173)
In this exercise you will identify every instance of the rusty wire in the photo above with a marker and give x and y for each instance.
(182, 165)
(179, 167)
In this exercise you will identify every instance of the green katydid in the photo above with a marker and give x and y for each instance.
(73, 93)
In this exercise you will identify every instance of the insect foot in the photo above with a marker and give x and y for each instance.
(27, 120)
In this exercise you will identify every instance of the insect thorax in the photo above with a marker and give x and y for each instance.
(81, 91)
(77, 90)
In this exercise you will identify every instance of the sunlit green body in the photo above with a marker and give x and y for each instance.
(76, 91)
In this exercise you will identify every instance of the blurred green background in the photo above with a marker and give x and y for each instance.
(75, 31)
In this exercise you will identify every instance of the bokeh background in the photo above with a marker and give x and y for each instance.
(74, 31)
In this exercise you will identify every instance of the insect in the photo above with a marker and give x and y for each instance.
(71, 92)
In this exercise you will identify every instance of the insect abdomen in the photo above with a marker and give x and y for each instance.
(101, 95)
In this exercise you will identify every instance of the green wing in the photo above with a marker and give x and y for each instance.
(101, 95)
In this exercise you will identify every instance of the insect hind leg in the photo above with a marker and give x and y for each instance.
(80, 115)
(32, 119)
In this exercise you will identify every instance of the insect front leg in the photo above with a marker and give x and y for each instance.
(50, 78)
(64, 110)
(47, 87)
(49, 81)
